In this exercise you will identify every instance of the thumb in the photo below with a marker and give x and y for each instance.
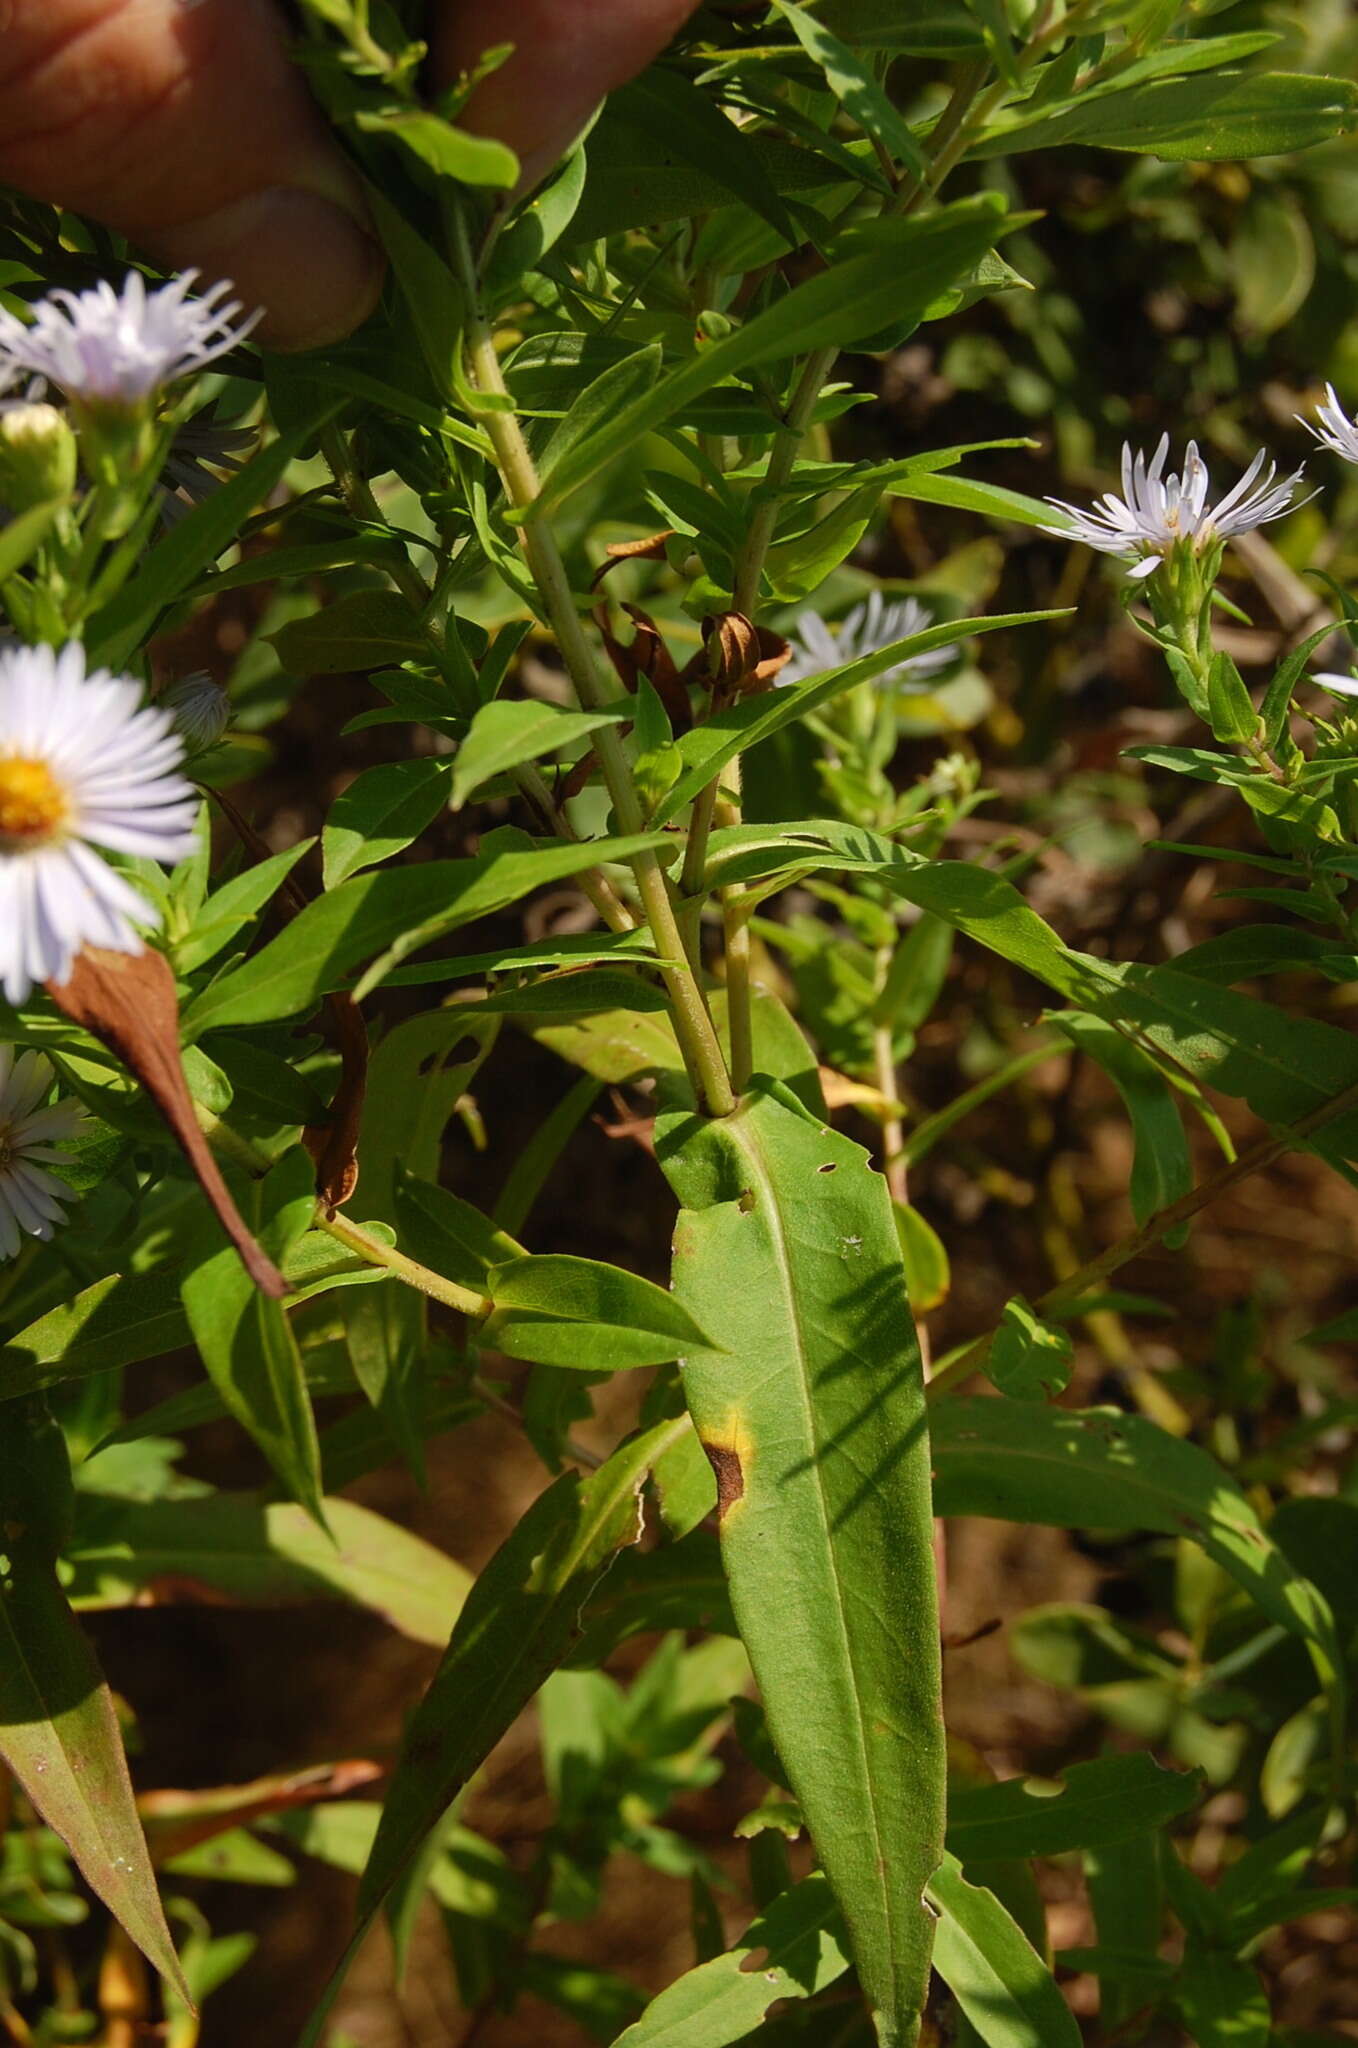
(182, 124)
(567, 55)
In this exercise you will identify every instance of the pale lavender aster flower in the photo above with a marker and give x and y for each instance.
(870, 625)
(31, 1133)
(109, 348)
(1334, 429)
(201, 711)
(1156, 511)
(83, 764)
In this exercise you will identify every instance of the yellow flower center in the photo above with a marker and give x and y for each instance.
(33, 804)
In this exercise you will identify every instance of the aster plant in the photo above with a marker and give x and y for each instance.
(583, 513)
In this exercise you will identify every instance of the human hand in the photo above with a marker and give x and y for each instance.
(183, 124)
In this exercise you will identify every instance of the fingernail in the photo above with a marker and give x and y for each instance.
(300, 256)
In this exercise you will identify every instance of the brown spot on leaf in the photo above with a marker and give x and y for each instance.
(725, 1462)
(128, 1002)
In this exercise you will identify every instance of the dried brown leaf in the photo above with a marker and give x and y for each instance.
(128, 1002)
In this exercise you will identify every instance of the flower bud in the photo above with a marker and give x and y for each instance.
(713, 326)
(201, 711)
(37, 456)
(731, 645)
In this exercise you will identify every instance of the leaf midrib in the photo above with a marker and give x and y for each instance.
(768, 1195)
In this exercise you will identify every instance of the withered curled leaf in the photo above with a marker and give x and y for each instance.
(128, 1002)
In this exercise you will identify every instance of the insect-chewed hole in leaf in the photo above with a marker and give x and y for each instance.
(828, 1167)
(755, 1960)
(1043, 1788)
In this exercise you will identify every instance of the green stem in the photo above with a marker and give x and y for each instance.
(738, 989)
(700, 827)
(884, 1072)
(745, 599)
(692, 1023)
(593, 881)
(786, 448)
(357, 494)
(421, 1278)
(952, 132)
(964, 116)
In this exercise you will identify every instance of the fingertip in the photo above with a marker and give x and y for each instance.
(184, 124)
(296, 253)
(567, 55)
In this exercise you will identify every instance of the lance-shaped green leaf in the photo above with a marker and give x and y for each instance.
(448, 1235)
(511, 730)
(265, 1553)
(854, 86)
(116, 1321)
(813, 1418)
(1285, 1067)
(245, 1339)
(229, 909)
(1099, 1469)
(1162, 1168)
(690, 126)
(558, 1310)
(847, 302)
(362, 630)
(519, 1623)
(25, 533)
(1092, 1805)
(1221, 2001)
(1235, 114)
(59, 1735)
(416, 1077)
(401, 909)
(123, 1319)
(1127, 1895)
(790, 1951)
(380, 813)
(992, 1969)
